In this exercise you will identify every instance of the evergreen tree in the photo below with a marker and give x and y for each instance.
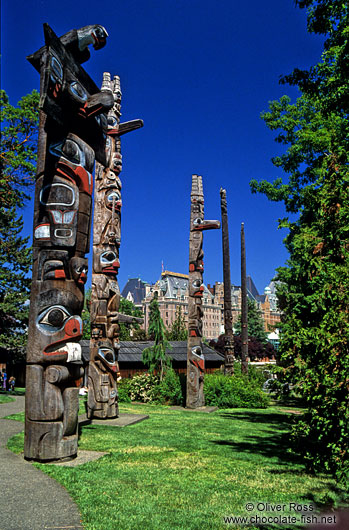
(17, 172)
(178, 330)
(86, 316)
(126, 307)
(313, 293)
(155, 356)
(255, 322)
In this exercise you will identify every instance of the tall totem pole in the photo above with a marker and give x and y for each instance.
(228, 315)
(72, 134)
(104, 345)
(195, 357)
(244, 306)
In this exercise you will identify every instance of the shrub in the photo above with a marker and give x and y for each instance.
(142, 387)
(124, 390)
(169, 391)
(233, 392)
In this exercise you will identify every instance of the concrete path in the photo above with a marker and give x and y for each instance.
(29, 499)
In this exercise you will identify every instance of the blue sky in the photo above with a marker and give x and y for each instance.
(199, 73)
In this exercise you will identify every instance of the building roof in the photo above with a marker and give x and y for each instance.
(251, 288)
(178, 274)
(173, 285)
(131, 351)
(136, 287)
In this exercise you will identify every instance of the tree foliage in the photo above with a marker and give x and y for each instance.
(86, 315)
(178, 329)
(155, 356)
(255, 322)
(257, 350)
(127, 331)
(313, 293)
(17, 171)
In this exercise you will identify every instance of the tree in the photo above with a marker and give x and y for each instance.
(255, 322)
(313, 293)
(17, 172)
(155, 356)
(256, 349)
(86, 316)
(178, 330)
(127, 331)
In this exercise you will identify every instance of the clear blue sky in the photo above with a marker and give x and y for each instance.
(198, 73)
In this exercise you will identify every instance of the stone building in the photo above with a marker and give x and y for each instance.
(172, 290)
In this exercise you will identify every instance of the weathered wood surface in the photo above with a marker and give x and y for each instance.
(244, 306)
(105, 298)
(195, 358)
(62, 216)
(228, 315)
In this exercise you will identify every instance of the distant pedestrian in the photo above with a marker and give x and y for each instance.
(4, 380)
(11, 383)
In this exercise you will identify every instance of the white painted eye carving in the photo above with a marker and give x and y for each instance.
(101, 33)
(108, 257)
(57, 69)
(53, 319)
(197, 221)
(196, 350)
(112, 121)
(78, 91)
(114, 195)
(197, 283)
(107, 354)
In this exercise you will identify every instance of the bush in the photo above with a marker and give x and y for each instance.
(142, 387)
(148, 388)
(124, 390)
(233, 392)
(169, 391)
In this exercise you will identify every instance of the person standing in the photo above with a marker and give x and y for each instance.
(11, 382)
(4, 380)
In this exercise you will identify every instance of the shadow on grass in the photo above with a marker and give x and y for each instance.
(273, 446)
(259, 417)
(291, 401)
(335, 497)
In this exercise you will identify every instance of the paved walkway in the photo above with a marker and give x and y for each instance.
(29, 499)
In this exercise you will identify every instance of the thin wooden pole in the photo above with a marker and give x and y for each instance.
(228, 316)
(244, 321)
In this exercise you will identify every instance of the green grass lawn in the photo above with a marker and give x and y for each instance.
(186, 470)
(5, 398)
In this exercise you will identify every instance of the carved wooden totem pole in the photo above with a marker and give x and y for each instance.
(195, 357)
(244, 306)
(72, 133)
(228, 315)
(104, 345)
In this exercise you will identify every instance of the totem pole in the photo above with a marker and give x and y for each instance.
(104, 345)
(195, 357)
(72, 132)
(228, 315)
(244, 317)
